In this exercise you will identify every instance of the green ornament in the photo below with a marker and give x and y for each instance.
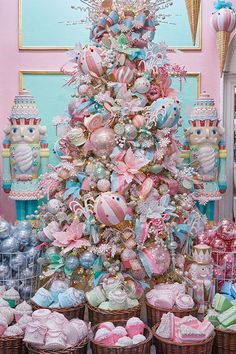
(156, 169)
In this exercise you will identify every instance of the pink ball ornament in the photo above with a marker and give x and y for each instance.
(110, 208)
(91, 61)
(227, 230)
(103, 141)
(86, 90)
(93, 122)
(223, 20)
(218, 272)
(124, 75)
(228, 261)
(218, 245)
(233, 246)
(138, 121)
(104, 185)
(142, 85)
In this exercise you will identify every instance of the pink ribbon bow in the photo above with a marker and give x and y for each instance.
(71, 238)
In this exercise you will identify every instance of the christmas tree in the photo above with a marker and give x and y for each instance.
(120, 200)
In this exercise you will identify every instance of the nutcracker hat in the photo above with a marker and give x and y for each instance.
(24, 110)
(204, 112)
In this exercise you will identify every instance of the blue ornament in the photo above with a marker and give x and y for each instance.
(5, 229)
(4, 271)
(58, 286)
(9, 245)
(87, 259)
(12, 283)
(22, 236)
(72, 262)
(26, 292)
(31, 254)
(23, 225)
(26, 275)
(17, 262)
(33, 240)
(166, 112)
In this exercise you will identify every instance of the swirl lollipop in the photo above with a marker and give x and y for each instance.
(223, 22)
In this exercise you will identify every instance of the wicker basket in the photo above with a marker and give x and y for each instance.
(97, 315)
(12, 345)
(225, 342)
(154, 314)
(141, 348)
(165, 346)
(69, 313)
(79, 349)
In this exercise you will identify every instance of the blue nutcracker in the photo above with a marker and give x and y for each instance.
(204, 150)
(25, 155)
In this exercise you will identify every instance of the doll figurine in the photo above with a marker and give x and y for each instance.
(25, 155)
(204, 150)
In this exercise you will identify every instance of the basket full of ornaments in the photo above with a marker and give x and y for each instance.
(19, 268)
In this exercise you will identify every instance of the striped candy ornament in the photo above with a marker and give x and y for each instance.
(124, 75)
(110, 208)
(223, 20)
(91, 61)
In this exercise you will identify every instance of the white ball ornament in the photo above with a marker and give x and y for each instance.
(110, 208)
(54, 205)
(142, 85)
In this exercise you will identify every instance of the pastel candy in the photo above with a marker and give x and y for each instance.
(233, 291)
(220, 303)
(96, 296)
(226, 288)
(212, 316)
(70, 298)
(42, 297)
(228, 317)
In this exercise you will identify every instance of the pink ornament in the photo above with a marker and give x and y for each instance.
(103, 141)
(138, 121)
(93, 122)
(110, 208)
(86, 90)
(227, 230)
(233, 245)
(157, 258)
(142, 85)
(124, 75)
(228, 262)
(218, 272)
(218, 245)
(205, 238)
(91, 61)
(223, 20)
(146, 188)
(103, 185)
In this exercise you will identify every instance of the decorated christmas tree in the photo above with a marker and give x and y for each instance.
(120, 203)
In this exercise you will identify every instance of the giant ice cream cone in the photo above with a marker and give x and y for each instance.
(193, 8)
(222, 42)
(223, 21)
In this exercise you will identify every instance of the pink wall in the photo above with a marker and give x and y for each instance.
(12, 61)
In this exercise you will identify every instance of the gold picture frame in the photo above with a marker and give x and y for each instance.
(64, 48)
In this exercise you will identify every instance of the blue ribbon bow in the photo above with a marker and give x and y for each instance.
(73, 187)
(221, 4)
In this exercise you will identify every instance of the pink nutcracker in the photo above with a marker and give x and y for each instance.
(25, 155)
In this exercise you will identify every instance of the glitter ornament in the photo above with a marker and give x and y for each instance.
(54, 206)
(103, 141)
(17, 262)
(166, 112)
(23, 225)
(9, 245)
(87, 259)
(4, 271)
(5, 229)
(72, 262)
(142, 85)
(22, 236)
(110, 208)
(103, 185)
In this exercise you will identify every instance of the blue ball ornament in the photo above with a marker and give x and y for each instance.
(26, 291)
(166, 112)
(5, 229)
(31, 254)
(12, 283)
(4, 271)
(72, 262)
(27, 274)
(17, 262)
(9, 245)
(22, 236)
(87, 259)
(24, 225)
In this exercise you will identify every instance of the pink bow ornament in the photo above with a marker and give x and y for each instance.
(71, 238)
